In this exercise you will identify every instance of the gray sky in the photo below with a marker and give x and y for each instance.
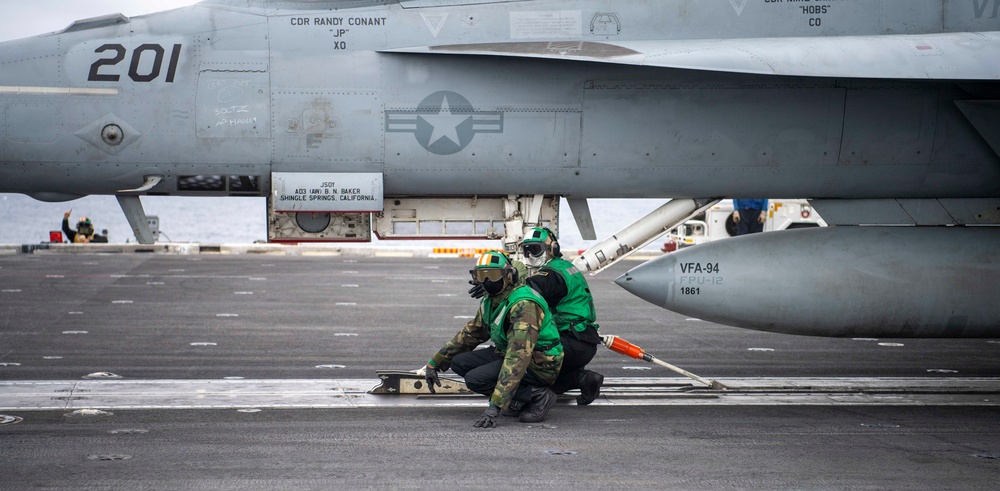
(21, 19)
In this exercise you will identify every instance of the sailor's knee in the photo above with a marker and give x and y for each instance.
(460, 368)
(479, 385)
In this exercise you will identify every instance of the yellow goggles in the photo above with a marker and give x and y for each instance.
(492, 274)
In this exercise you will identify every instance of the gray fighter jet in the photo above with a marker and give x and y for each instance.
(468, 118)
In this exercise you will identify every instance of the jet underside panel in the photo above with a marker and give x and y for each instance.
(985, 116)
(925, 212)
(773, 136)
(904, 120)
(685, 136)
(324, 130)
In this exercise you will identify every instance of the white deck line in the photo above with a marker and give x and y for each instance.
(71, 395)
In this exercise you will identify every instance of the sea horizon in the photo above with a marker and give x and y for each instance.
(224, 220)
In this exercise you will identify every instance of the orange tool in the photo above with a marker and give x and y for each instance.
(619, 345)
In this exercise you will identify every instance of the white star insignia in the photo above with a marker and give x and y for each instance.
(445, 123)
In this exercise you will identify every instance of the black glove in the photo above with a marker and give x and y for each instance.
(477, 291)
(489, 418)
(431, 377)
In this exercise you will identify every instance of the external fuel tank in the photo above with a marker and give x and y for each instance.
(836, 281)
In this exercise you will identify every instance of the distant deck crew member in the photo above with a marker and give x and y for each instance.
(526, 356)
(749, 215)
(84, 231)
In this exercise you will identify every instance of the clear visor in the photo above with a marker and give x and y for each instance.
(492, 274)
(533, 249)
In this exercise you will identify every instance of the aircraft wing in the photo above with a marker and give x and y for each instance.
(946, 56)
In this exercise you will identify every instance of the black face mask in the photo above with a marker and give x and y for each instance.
(493, 288)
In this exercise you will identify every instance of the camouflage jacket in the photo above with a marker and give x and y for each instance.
(521, 325)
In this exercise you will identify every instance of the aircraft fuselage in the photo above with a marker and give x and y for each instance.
(205, 95)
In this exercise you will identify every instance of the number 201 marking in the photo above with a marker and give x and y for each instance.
(118, 55)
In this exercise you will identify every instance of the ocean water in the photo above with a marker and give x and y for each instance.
(225, 220)
(215, 220)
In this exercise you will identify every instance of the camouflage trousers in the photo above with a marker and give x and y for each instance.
(481, 368)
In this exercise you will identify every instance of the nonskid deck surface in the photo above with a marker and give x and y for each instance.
(162, 316)
(253, 371)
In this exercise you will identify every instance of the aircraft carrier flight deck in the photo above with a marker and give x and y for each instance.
(246, 367)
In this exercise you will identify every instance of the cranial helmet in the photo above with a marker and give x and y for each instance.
(537, 245)
(494, 271)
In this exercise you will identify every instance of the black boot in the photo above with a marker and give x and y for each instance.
(542, 399)
(590, 387)
(513, 409)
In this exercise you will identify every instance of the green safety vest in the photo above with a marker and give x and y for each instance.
(494, 316)
(576, 309)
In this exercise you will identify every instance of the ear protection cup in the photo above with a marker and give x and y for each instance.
(556, 252)
(510, 272)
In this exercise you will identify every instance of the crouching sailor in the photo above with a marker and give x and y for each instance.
(526, 356)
